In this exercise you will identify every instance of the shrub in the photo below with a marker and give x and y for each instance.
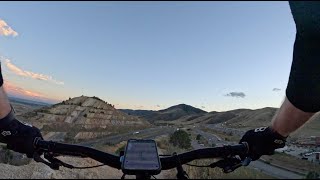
(198, 137)
(181, 139)
(120, 149)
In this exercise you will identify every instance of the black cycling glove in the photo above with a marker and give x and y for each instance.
(1, 79)
(262, 141)
(18, 136)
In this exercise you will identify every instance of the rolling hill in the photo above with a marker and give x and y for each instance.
(169, 114)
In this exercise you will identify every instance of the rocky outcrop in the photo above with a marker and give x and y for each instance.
(82, 118)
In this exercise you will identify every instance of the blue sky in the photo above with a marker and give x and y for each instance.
(150, 55)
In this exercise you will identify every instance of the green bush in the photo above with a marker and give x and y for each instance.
(181, 139)
(120, 149)
(198, 137)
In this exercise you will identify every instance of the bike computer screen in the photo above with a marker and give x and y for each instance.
(141, 156)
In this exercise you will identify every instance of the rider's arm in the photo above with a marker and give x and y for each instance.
(289, 118)
(18, 136)
(5, 107)
(303, 89)
(4, 102)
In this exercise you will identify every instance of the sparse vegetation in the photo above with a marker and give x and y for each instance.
(43, 110)
(227, 136)
(10, 157)
(94, 97)
(313, 175)
(291, 162)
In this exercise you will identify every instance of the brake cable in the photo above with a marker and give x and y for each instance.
(193, 165)
(227, 164)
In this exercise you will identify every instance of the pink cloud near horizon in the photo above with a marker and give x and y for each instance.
(15, 90)
(18, 71)
(6, 30)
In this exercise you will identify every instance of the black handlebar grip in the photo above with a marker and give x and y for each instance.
(38, 143)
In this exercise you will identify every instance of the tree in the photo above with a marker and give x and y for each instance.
(181, 139)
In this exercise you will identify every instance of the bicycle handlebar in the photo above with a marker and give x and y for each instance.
(114, 161)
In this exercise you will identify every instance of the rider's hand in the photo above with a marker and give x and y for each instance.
(18, 136)
(262, 141)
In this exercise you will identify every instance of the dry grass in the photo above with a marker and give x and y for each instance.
(223, 135)
(216, 173)
(291, 162)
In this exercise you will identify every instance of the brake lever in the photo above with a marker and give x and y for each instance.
(246, 161)
(56, 161)
(230, 164)
(37, 158)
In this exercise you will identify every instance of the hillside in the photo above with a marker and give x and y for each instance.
(250, 118)
(169, 114)
(140, 113)
(82, 118)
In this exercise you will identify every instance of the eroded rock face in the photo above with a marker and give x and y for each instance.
(82, 118)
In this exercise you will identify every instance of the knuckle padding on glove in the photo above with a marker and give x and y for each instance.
(262, 141)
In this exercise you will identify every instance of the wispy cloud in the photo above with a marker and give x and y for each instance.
(276, 89)
(15, 90)
(203, 107)
(236, 94)
(15, 69)
(6, 30)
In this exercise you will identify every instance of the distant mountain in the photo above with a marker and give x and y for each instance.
(27, 102)
(183, 108)
(137, 112)
(82, 118)
(169, 114)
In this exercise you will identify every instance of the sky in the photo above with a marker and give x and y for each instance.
(216, 56)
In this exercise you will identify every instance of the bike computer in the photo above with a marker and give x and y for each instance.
(141, 157)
